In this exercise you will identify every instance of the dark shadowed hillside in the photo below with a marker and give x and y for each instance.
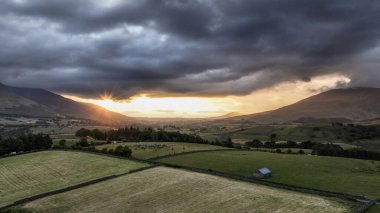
(13, 104)
(39, 102)
(339, 104)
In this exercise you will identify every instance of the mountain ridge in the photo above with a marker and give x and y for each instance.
(54, 105)
(359, 103)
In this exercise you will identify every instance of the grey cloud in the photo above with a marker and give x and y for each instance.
(203, 47)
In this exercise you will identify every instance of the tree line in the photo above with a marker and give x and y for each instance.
(318, 149)
(134, 134)
(255, 143)
(24, 143)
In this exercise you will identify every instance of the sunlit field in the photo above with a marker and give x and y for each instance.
(170, 190)
(30, 174)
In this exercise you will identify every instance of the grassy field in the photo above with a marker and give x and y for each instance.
(374, 209)
(146, 150)
(169, 190)
(241, 133)
(360, 177)
(35, 173)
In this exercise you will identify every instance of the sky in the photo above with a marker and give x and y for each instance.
(189, 58)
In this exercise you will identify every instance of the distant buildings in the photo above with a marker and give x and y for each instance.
(262, 173)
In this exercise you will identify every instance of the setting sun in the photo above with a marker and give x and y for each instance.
(199, 107)
(166, 107)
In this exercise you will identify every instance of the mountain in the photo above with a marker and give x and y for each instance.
(42, 103)
(13, 104)
(228, 115)
(338, 104)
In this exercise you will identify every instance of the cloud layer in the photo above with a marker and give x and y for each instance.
(186, 47)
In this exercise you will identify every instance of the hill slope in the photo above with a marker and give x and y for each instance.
(351, 104)
(52, 104)
(13, 104)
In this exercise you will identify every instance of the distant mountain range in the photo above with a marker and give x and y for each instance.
(34, 102)
(334, 105)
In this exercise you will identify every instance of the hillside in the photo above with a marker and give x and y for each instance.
(42, 103)
(13, 104)
(339, 105)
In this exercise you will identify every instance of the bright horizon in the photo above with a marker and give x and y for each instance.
(144, 105)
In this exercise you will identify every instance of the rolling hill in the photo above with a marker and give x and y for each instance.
(334, 105)
(36, 102)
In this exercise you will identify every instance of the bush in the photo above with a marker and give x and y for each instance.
(83, 142)
(123, 151)
(255, 143)
(278, 150)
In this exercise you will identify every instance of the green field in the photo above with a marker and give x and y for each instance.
(170, 190)
(146, 150)
(30, 174)
(374, 209)
(323, 133)
(360, 177)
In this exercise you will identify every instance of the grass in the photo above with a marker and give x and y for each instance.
(360, 177)
(241, 133)
(35, 173)
(170, 190)
(146, 150)
(374, 209)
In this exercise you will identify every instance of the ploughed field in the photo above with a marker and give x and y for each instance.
(35, 173)
(164, 189)
(352, 176)
(146, 150)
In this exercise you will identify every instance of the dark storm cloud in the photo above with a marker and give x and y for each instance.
(203, 47)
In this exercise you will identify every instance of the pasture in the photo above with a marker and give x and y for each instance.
(170, 190)
(323, 133)
(146, 150)
(359, 177)
(30, 174)
(374, 209)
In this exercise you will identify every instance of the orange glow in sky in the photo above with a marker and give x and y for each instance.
(261, 100)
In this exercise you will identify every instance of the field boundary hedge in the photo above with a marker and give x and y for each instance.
(191, 152)
(367, 203)
(77, 186)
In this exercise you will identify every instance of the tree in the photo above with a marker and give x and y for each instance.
(254, 143)
(228, 143)
(273, 137)
(123, 151)
(83, 142)
(291, 144)
(270, 144)
(62, 143)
